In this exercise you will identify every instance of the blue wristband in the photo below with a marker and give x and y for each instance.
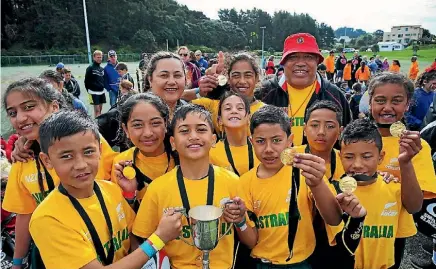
(197, 90)
(240, 224)
(17, 261)
(148, 249)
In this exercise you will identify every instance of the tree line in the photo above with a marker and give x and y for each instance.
(145, 26)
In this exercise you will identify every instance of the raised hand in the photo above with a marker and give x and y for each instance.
(410, 145)
(312, 167)
(127, 185)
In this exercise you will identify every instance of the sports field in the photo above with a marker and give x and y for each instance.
(10, 74)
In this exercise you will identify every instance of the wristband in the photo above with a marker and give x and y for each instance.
(197, 90)
(148, 249)
(240, 224)
(17, 261)
(156, 242)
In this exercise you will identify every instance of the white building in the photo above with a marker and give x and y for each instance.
(390, 46)
(403, 34)
(346, 38)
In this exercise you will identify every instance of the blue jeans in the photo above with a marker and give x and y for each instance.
(113, 97)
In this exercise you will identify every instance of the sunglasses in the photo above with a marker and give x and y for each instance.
(183, 54)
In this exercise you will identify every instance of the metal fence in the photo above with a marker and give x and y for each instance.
(66, 59)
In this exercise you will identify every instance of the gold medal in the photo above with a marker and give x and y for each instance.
(129, 172)
(397, 128)
(347, 184)
(287, 156)
(222, 80)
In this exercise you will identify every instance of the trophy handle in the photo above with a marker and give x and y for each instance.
(231, 224)
(183, 212)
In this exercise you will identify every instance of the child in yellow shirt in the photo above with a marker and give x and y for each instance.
(28, 102)
(243, 75)
(144, 119)
(235, 151)
(195, 182)
(407, 158)
(361, 153)
(86, 223)
(334, 245)
(279, 199)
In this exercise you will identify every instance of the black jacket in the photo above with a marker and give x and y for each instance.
(94, 78)
(431, 114)
(326, 91)
(73, 87)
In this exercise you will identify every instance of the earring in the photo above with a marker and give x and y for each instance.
(173, 148)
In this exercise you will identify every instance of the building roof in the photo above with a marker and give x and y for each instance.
(413, 25)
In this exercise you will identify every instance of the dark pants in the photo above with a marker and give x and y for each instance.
(330, 76)
(242, 256)
(400, 245)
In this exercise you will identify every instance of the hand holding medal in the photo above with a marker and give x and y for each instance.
(312, 167)
(410, 141)
(126, 176)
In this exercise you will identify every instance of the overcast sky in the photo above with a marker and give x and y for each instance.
(368, 15)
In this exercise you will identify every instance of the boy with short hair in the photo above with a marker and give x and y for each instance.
(280, 199)
(195, 182)
(322, 129)
(70, 83)
(123, 71)
(361, 152)
(86, 223)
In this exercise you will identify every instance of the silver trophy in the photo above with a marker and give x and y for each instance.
(205, 226)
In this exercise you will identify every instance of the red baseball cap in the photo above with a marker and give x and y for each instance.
(301, 42)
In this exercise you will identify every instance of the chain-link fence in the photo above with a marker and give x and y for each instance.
(66, 59)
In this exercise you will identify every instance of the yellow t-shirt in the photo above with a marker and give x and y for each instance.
(422, 163)
(163, 193)
(152, 167)
(298, 100)
(213, 106)
(62, 236)
(23, 194)
(384, 220)
(106, 160)
(218, 157)
(268, 199)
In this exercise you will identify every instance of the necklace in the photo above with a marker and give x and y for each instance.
(301, 105)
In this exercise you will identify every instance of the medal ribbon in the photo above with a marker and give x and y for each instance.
(106, 260)
(140, 177)
(184, 194)
(230, 157)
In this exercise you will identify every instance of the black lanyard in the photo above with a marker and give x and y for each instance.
(106, 260)
(48, 178)
(140, 177)
(332, 162)
(294, 212)
(230, 157)
(184, 195)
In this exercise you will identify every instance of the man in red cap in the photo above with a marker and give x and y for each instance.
(301, 85)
